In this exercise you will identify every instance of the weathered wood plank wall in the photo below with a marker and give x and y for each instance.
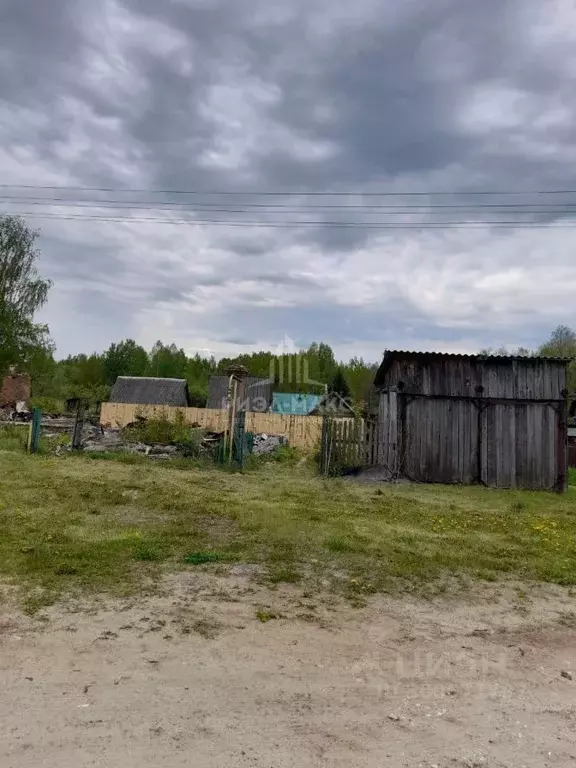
(388, 433)
(444, 440)
(533, 379)
(520, 444)
(439, 441)
(303, 432)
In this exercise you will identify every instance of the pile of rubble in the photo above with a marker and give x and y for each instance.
(96, 438)
(107, 439)
(111, 440)
(17, 412)
(268, 443)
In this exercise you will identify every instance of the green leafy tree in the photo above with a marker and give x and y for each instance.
(339, 384)
(126, 358)
(22, 293)
(167, 362)
(198, 372)
(562, 343)
(360, 376)
(85, 377)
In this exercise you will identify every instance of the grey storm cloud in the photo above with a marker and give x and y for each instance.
(291, 96)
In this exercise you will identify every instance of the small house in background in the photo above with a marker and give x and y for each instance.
(15, 390)
(333, 404)
(499, 421)
(294, 403)
(147, 390)
(252, 393)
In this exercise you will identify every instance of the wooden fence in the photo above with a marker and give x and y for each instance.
(348, 444)
(303, 432)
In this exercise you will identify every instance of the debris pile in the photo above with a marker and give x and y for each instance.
(18, 412)
(108, 439)
(268, 443)
(97, 438)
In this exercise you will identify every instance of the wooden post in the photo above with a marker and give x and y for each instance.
(78, 424)
(395, 437)
(324, 451)
(230, 413)
(34, 435)
(240, 437)
(232, 418)
(562, 440)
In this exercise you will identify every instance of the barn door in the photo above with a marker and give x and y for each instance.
(521, 445)
(439, 440)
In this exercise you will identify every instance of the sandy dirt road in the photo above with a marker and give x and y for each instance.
(193, 678)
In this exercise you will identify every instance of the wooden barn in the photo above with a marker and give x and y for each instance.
(499, 421)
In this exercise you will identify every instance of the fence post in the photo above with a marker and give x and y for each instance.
(78, 424)
(240, 437)
(324, 446)
(34, 434)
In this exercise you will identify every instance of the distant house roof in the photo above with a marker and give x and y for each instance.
(147, 390)
(253, 393)
(333, 404)
(296, 403)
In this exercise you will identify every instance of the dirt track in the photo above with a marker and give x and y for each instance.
(194, 678)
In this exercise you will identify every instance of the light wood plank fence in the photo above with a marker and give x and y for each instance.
(303, 432)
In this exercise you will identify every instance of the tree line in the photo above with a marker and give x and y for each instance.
(91, 376)
(27, 345)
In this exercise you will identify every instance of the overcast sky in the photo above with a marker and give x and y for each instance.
(299, 96)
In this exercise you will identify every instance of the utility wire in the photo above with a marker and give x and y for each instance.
(287, 193)
(296, 224)
(64, 202)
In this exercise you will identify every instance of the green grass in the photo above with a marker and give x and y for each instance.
(200, 558)
(76, 525)
(13, 437)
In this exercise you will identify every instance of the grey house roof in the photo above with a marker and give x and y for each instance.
(254, 394)
(147, 390)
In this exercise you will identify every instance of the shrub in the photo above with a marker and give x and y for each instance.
(47, 404)
(164, 432)
(284, 454)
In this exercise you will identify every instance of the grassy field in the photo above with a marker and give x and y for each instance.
(74, 524)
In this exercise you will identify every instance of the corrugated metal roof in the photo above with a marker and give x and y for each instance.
(296, 403)
(148, 390)
(403, 353)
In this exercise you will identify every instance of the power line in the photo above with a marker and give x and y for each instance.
(297, 224)
(64, 202)
(288, 193)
